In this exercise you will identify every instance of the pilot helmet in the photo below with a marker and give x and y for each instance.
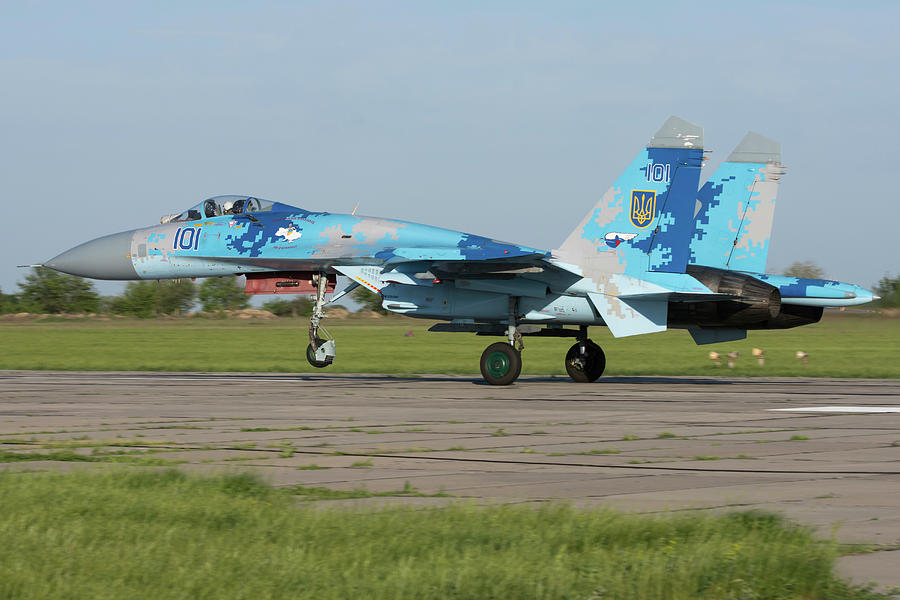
(227, 206)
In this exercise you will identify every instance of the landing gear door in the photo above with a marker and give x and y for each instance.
(368, 277)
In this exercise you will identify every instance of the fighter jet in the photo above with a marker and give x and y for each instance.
(654, 253)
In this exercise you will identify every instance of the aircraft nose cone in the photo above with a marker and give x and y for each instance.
(107, 257)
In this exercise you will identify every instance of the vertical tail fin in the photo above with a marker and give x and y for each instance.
(645, 220)
(735, 208)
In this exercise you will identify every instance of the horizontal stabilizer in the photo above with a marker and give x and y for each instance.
(680, 296)
(631, 317)
(657, 285)
(712, 336)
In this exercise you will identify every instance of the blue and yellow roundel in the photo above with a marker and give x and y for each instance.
(643, 208)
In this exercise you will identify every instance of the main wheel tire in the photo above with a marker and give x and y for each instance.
(500, 364)
(587, 367)
(311, 356)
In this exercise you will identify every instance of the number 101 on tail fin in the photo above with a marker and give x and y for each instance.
(657, 172)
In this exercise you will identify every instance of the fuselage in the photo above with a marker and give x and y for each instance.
(398, 258)
(284, 238)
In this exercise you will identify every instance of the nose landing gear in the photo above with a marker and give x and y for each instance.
(320, 352)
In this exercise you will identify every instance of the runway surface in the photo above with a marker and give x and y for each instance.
(645, 444)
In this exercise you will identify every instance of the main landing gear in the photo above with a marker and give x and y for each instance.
(585, 360)
(501, 362)
(320, 352)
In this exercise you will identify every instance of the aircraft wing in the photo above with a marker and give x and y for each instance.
(503, 272)
(628, 305)
(455, 261)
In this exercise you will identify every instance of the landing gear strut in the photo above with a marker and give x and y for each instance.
(320, 352)
(501, 362)
(585, 361)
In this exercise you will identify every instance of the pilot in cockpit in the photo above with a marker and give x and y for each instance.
(234, 208)
(218, 206)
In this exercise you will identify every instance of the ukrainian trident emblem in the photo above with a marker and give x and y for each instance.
(643, 208)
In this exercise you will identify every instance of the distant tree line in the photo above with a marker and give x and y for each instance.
(47, 291)
(369, 300)
(889, 290)
(805, 269)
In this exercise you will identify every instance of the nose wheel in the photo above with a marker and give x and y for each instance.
(585, 361)
(322, 355)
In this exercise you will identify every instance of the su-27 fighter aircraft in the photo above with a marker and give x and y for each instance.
(654, 253)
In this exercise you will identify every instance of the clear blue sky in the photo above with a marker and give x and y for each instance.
(506, 119)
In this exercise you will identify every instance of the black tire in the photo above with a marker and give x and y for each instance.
(311, 356)
(500, 364)
(585, 368)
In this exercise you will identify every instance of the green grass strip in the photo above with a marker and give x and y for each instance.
(69, 456)
(131, 533)
(842, 345)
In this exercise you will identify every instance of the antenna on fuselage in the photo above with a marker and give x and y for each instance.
(353, 212)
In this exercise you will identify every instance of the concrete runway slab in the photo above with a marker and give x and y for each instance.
(641, 443)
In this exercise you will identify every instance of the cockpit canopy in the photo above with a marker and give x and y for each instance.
(221, 205)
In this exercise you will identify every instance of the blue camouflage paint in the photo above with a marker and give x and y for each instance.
(615, 254)
(620, 267)
(289, 234)
(729, 204)
(736, 208)
(675, 224)
(608, 237)
(817, 292)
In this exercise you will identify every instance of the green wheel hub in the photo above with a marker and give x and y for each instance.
(498, 364)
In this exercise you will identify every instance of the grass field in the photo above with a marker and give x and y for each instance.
(163, 534)
(839, 346)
